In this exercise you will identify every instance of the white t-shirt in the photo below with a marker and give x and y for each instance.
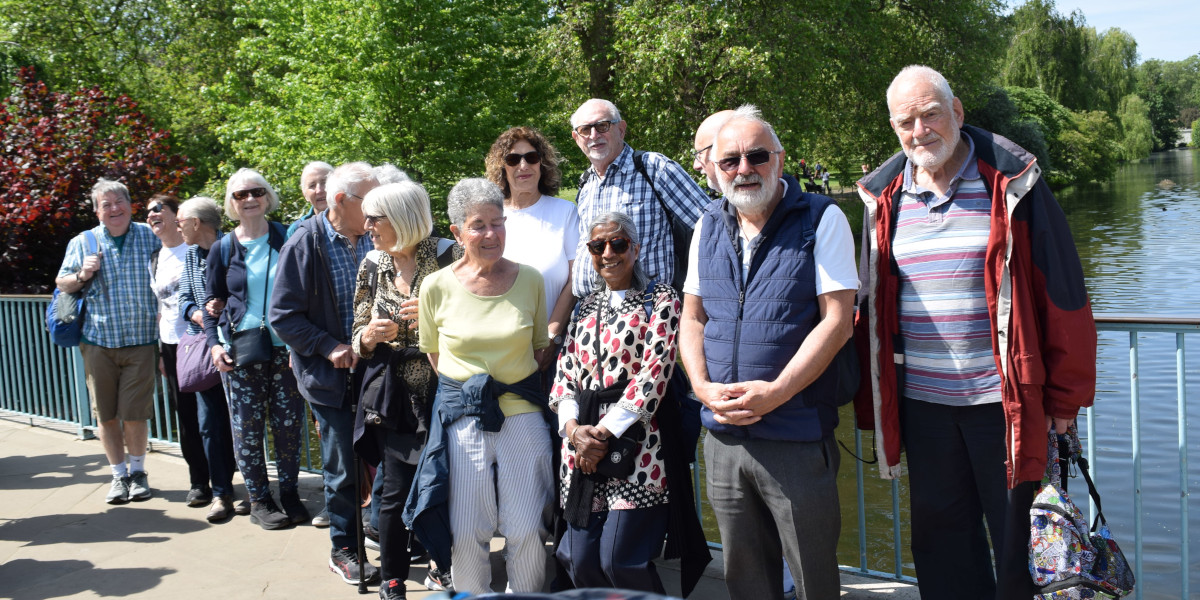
(165, 284)
(544, 236)
(834, 254)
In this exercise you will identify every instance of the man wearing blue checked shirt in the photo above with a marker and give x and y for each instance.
(120, 329)
(613, 183)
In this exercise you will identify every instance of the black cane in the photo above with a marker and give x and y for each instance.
(362, 577)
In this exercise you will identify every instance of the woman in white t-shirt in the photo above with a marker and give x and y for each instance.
(542, 230)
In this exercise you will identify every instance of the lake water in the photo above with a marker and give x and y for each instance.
(1139, 239)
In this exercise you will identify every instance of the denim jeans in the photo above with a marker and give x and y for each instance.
(337, 454)
(213, 414)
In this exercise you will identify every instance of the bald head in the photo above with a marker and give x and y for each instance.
(703, 142)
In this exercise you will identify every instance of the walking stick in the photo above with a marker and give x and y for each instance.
(358, 527)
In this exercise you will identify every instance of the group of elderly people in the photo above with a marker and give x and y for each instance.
(465, 350)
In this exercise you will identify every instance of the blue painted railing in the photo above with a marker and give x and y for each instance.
(41, 380)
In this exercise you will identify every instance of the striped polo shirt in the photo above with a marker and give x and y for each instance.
(939, 247)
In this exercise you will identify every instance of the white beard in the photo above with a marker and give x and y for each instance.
(752, 202)
(931, 160)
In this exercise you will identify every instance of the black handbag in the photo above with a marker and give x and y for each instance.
(254, 346)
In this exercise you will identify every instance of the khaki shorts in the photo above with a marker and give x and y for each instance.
(120, 381)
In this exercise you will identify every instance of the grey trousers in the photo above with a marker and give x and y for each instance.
(775, 499)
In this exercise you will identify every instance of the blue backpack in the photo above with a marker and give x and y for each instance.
(64, 315)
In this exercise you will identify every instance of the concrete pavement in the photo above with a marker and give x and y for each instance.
(58, 539)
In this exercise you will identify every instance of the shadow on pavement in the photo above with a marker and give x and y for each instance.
(28, 579)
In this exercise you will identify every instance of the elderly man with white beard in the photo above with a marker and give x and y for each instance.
(768, 302)
(981, 334)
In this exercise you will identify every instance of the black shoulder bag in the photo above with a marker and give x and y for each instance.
(622, 451)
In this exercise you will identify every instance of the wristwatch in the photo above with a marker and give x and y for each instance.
(558, 339)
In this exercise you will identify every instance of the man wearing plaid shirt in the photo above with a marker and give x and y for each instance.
(120, 328)
(613, 184)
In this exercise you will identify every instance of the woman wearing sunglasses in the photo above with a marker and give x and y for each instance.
(543, 231)
(487, 462)
(398, 381)
(259, 383)
(166, 271)
(612, 377)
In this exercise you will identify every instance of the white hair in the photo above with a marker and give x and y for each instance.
(406, 207)
(248, 175)
(345, 177)
(315, 166)
(203, 208)
(389, 173)
(108, 186)
(613, 114)
(468, 194)
(748, 113)
(925, 74)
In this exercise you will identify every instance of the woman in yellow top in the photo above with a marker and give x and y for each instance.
(483, 323)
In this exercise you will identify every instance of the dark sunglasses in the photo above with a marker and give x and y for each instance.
(755, 158)
(155, 208)
(373, 219)
(257, 192)
(619, 245)
(599, 126)
(514, 159)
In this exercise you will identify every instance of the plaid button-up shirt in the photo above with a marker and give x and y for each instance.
(121, 308)
(623, 189)
(344, 259)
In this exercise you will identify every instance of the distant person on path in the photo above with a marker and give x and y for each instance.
(312, 187)
(312, 310)
(825, 181)
(200, 224)
(769, 302)
(119, 333)
(613, 183)
(976, 270)
(166, 272)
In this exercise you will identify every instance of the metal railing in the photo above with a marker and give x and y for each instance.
(42, 380)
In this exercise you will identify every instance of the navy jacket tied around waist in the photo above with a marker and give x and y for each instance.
(427, 511)
(755, 328)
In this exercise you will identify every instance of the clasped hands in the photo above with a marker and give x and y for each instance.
(741, 403)
(591, 445)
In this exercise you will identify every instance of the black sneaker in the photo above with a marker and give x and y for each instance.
(267, 515)
(371, 538)
(344, 562)
(439, 580)
(295, 510)
(392, 589)
(198, 496)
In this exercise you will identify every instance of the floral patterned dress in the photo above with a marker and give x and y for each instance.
(634, 346)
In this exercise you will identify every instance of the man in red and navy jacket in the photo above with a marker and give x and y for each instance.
(980, 332)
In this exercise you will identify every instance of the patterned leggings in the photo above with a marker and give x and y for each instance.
(256, 393)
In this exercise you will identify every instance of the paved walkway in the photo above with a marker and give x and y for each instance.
(58, 539)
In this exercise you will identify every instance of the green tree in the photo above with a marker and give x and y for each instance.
(999, 114)
(425, 85)
(1088, 149)
(1137, 133)
(1196, 133)
(1051, 52)
(1159, 93)
(1113, 65)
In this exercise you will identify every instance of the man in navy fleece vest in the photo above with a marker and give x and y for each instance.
(766, 308)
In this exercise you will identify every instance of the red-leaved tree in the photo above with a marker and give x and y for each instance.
(53, 147)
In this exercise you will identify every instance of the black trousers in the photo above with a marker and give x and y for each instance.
(958, 482)
(398, 474)
(191, 443)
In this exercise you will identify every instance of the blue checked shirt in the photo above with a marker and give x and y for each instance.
(623, 189)
(121, 308)
(344, 258)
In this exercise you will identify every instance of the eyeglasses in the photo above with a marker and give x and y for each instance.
(155, 208)
(599, 126)
(373, 219)
(257, 192)
(619, 245)
(755, 158)
(696, 153)
(514, 159)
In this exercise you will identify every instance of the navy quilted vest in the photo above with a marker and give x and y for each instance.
(754, 330)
